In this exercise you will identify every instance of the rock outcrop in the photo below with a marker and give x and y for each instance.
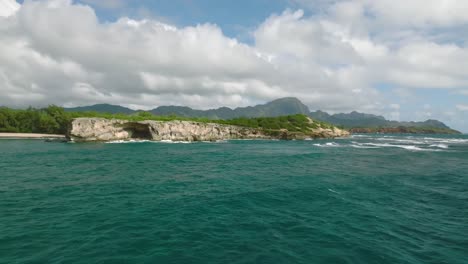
(100, 129)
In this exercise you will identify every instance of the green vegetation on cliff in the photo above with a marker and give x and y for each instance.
(292, 123)
(54, 120)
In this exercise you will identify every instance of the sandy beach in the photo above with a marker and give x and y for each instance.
(29, 135)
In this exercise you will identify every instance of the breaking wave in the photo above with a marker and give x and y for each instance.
(328, 144)
(128, 141)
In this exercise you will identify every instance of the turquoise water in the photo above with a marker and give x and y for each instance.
(367, 199)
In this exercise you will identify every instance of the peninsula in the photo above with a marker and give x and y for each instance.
(285, 128)
(285, 118)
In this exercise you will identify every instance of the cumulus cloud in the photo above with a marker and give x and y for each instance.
(55, 51)
(58, 52)
(8, 8)
(62, 52)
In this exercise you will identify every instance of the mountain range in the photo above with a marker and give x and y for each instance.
(280, 107)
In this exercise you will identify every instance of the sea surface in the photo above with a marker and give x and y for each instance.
(365, 199)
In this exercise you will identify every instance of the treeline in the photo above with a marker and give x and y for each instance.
(55, 120)
(50, 120)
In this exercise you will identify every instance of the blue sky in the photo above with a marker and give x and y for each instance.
(234, 17)
(401, 59)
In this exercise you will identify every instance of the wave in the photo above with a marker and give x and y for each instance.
(329, 144)
(407, 147)
(127, 141)
(432, 142)
(409, 141)
(442, 146)
(360, 146)
(370, 145)
(168, 141)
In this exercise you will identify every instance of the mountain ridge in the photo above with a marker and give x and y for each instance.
(281, 107)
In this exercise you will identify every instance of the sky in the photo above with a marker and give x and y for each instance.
(403, 59)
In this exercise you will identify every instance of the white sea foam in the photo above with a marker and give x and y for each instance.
(328, 144)
(442, 146)
(127, 141)
(447, 140)
(407, 147)
(168, 141)
(360, 146)
(212, 142)
(406, 141)
(441, 143)
(360, 136)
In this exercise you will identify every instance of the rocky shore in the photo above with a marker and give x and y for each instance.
(100, 129)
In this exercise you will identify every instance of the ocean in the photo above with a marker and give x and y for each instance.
(365, 199)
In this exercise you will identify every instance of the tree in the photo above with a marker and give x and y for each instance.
(47, 124)
(61, 118)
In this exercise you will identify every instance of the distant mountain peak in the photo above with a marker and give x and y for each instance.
(278, 107)
(104, 108)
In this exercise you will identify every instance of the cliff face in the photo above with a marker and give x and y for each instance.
(99, 129)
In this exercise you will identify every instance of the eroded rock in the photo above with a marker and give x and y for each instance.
(100, 129)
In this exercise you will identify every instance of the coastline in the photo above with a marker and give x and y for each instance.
(29, 136)
(105, 130)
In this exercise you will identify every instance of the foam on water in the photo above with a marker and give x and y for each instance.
(173, 142)
(360, 146)
(127, 141)
(328, 144)
(407, 147)
(442, 146)
(410, 142)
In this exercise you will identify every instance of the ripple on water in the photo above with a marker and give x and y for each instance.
(357, 200)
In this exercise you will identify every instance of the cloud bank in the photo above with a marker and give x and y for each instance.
(55, 51)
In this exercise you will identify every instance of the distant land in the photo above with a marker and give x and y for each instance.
(356, 122)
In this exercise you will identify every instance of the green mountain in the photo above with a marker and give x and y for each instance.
(102, 108)
(279, 107)
(360, 120)
(282, 107)
(353, 119)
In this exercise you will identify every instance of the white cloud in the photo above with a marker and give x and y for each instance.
(71, 58)
(53, 51)
(413, 14)
(294, 38)
(8, 7)
(462, 107)
(419, 13)
(395, 106)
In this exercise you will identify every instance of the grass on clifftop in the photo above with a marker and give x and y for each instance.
(54, 120)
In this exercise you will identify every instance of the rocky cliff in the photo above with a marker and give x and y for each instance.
(100, 129)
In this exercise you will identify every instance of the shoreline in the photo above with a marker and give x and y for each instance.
(29, 136)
